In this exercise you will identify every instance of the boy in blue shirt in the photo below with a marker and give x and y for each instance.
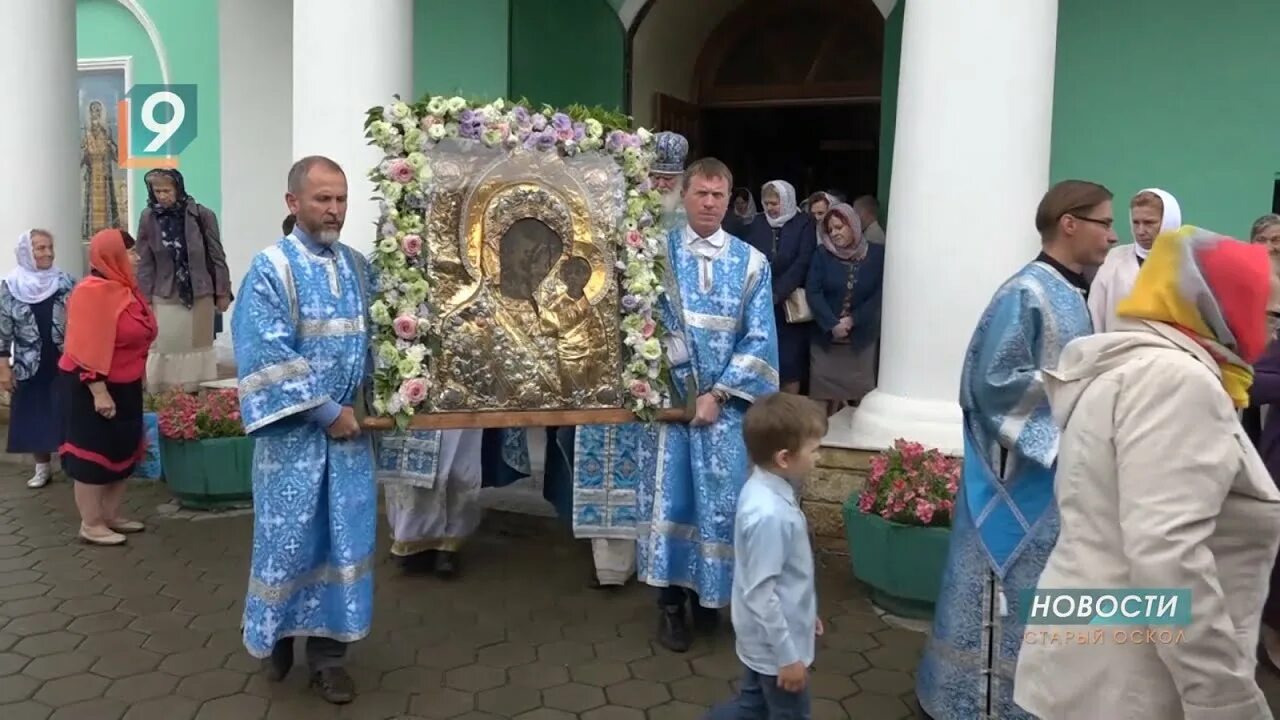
(775, 606)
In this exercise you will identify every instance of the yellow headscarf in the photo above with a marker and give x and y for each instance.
(1214, 289)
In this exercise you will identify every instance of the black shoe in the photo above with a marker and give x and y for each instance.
(705, 620)
(334, 685)
(423, 563)
(281, 660)
(673, 630)
(447, 565)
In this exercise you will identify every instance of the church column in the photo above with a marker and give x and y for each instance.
(347, 57)
(40, 128)
(970, 164)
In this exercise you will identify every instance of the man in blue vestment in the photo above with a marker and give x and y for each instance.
(611, 460)
(1005, 520)
(718, 315)
(302, 351)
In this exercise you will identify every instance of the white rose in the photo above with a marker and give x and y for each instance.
(456, 104)
(436, 132)
(644, 135)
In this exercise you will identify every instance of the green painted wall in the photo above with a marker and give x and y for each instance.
(567, 51)
(1182, 98)
(189, 30)
(889, 103)
(461, 48)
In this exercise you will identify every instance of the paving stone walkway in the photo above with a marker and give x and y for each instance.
(150, 631)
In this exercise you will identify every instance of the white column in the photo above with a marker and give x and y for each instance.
(40, 129)
(255, 63)
(348, 57)
(970, 164)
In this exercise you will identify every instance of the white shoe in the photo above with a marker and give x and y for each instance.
(41, 478)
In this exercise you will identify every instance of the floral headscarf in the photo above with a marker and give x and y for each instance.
(786, 196)
(1213, 288)
(172, 221)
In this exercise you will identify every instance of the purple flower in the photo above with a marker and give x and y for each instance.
(631, 140)
(560, 121)
(522, 115)
(466, 116)
(388, 229)
(417, 201)
(546, 139)
(539, 122)
(579, 131)
(616, 141)
(630, 303)
(470, 129)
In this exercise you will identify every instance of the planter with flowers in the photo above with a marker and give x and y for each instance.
(898, 527)
(207, 459)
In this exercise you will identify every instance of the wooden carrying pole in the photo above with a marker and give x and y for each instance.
(536, 418)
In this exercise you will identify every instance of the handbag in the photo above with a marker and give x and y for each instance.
(795, 309)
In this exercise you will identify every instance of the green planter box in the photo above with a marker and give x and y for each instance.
(901, 563)
(209, 474)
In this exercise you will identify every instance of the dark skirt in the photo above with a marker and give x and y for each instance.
(35, 416)
(793, 348)
(98, 451)
(841, 371)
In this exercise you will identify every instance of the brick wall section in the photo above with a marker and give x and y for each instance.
(840, 473)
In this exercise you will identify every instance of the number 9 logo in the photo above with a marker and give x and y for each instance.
(163, 131)
(157, 122)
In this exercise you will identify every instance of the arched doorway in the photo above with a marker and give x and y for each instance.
(776, 89)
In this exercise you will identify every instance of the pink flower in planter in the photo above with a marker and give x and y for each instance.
(910, 485)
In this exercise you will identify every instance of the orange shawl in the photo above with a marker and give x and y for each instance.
(95, 305)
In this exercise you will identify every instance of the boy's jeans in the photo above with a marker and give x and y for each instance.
(760, 698)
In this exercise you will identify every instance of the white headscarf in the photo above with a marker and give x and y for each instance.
(26, 283)
(1172, 219)
(786, 196)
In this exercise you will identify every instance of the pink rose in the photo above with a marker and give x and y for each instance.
(401, 171)
(412, 245)
(649, 327)
(414, 391)
(639, 388)
(406, 327)
(565, 135)
(635, 239)
(427, 122)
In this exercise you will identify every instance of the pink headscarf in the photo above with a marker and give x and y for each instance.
(853, 250)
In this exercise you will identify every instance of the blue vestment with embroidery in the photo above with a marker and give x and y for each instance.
(301, 340)
(1006, 521)
(718, 309)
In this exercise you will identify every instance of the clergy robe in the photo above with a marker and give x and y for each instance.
(301, 341)
(431, 480)
(718, 309)
(1112, 284)
(1005, 521)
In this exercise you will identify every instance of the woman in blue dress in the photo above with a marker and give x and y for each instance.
(786, 237)
(844, 290)
(33, 321)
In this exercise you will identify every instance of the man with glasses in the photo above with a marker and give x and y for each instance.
(1151, 212)
(1005, 520)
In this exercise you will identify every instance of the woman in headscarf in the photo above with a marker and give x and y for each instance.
(182, 271)
(1158, 488)
(844, 292)
(786, 238)
(110, 327)
(819, 204)
(1263, 429)
(1151, 212)
(33, 321)
(742, 213)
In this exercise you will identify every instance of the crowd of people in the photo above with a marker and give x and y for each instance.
(1082, 469)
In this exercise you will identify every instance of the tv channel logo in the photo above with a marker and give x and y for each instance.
(157, 122)
(1106, 606)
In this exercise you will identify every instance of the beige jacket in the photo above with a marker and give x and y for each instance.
(1158, 487)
